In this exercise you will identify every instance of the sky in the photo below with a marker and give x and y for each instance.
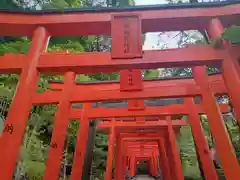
(164, 40)
(152, 40)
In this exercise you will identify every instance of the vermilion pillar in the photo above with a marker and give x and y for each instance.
(132, 166)
(128, 161)
(230, 67)
(60, 129)
(177, 166)
(164, 160)
(10, 141)
(169, 156)
(117, 158)
(155, 172)
(200, 141)
(111, 142)
(216, 125)
(123, 167)
(152, 167)
(81, 144)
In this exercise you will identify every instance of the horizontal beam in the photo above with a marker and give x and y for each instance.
(130, 144)
(143, 156)
(90, 23)
(155, 134)
(141, 130)
(132, 137)
(12, 63)
(143, 150)
(137, 149)
(126, 119)
(183, 90)
(148, 111)
(139, 146)
(115, 85)
(146, 124)
(102, 61)
(95, 62)
(213, 79)
(88, 63)
(143, 138)
(156, 83)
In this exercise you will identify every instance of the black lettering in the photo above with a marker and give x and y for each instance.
(54, 145)
(8, 128)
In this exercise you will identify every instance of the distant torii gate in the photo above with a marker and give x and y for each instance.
(142, 152)
(141, 135)
(126, 27)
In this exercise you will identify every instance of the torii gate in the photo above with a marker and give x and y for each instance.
(126, 28)
(142, 152)
(112, 127)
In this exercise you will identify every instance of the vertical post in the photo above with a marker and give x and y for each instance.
(200, 141)
(122, 161)
(87, 166)
(174, 151)
(132, 164)
(111, 142)
(164, 164)
(128, 162)
(60, 129)
(155, 169)
(80, 149)
(123, 175)
(148, 166)
(230, 67)
(169, 156)
(151, 164)
(216, 125)
(10, 141)
(135, 167)
(117, 158)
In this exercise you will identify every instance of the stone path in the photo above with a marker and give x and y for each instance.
(143, 177)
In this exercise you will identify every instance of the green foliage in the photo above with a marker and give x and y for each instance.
(153, 73)
(232, 34)
(73, 127)
(1, 124)
(188, 153)
(35, 169)
(100, 154)
(59, 4)
(8, 4)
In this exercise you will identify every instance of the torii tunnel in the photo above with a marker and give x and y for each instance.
(138, 132)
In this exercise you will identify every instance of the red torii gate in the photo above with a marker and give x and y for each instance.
(126, 29)
(165, 147)
(113, 128)
(137, 154)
